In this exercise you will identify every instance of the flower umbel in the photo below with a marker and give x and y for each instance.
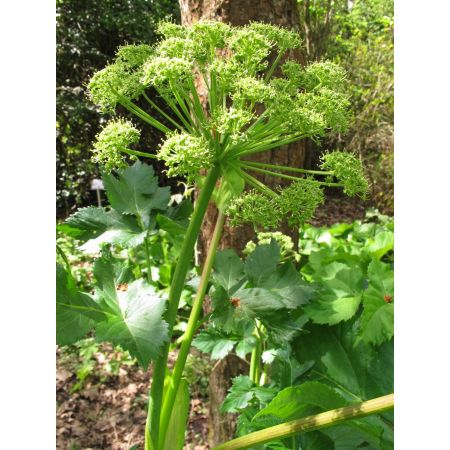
(113, 141)
(348, 170)
(185, 155)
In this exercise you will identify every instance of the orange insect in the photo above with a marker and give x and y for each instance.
(235, 301)
(388, 298)
(122, 287)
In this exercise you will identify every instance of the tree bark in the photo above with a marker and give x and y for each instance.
(241, 12)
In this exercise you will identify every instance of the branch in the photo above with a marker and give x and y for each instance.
(311, 423)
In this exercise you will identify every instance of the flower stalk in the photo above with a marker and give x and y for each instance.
(311, 423)
(174, 380)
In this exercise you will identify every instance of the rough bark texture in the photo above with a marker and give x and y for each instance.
(240, 12)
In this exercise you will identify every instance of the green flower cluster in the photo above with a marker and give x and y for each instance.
(285, 243)
(185, 155)
(244, 106)
(254, 207)
(121, 80)
(348, 170)
(296, 202)
(299, 201)
(113, 141)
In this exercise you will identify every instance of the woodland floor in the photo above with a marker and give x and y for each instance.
(109, 410)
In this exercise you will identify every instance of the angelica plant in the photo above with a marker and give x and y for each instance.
(231, 93)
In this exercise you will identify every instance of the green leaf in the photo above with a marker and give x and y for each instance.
(178, 419)
(75, 311)
(239, 396)
(134, 319)
(136, 192)
(381, 244)
(97, 226)
(215, 343)
(228, 270)
(262, 262)
(377, 320)
(359, 371)
(298, 401)
(257, 301)
(288, 285)
(243, 392)
(171, 226)
(86, 223)
(340, 298)
(316, 440)
(245, 346)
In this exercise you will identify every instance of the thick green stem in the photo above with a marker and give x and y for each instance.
(176, 287)
(177, 373)
(310, 423)
(255, 361)
(147, 259)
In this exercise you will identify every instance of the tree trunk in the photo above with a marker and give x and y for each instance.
(241, 12)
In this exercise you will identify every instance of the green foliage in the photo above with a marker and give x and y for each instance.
(244, 392)
(131, 318)
(334, 350)
(75, 310)
(265, 305)
(135, 191)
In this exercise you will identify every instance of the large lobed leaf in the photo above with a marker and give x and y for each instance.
(135, 191)
(75, 311)
(134, 317)
(377, 320)
(130, 318)
(339, 299)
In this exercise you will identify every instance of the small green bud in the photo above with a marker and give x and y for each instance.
(134, 56)
(348, 170)
(252, 89)
(250, 49)
(170, 29)
(299, 201)
(331, 105)
(325, 74)
(254, 207)
(231, 121)
(115, 138)
(210, 34)
(282, 37)
(175, 47)
(185, 155)
(285, 243)
(158, 71)
(113, 81)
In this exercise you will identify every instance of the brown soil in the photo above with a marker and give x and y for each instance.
(109, 411)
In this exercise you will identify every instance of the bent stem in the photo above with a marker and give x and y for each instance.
(176, 287)
(192, 326)
(311, 423)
